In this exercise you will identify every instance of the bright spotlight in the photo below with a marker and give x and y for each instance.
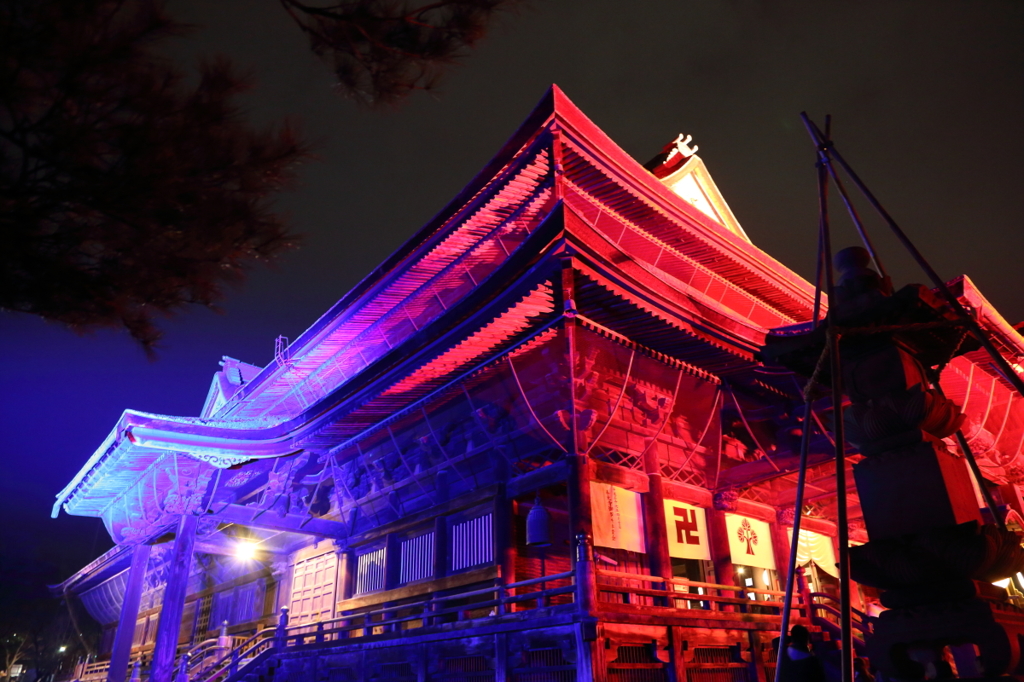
(245, 551)
(62, 649)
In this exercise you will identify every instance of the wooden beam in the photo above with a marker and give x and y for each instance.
(538, 478)
(762, 469)
(485, 574)
(221, 546)
(472, 498)
(826, 487)
(270, 520)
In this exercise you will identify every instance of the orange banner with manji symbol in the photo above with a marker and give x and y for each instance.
(750, 541)
(687, 531)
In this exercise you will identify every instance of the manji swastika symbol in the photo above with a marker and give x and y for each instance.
(686, 527)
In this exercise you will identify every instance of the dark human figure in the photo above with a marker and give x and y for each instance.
(861, 672)
(906, 667)
(944, 671)
(802, 665)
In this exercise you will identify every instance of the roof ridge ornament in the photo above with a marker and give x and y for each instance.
(672, 156)
(680, 146)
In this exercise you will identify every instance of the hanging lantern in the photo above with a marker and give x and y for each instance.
(538, 525)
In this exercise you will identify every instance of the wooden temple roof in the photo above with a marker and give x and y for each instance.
(474, 282)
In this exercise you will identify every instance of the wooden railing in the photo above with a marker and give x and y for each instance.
(211, 655)
(680, 593)
(825, 612)
(227, 665)
(387, 615)
(435, 609)
(96, 671)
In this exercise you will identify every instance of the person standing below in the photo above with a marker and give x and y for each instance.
(861, 672)
(801, 664)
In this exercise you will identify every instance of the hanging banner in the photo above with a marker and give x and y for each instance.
(817, 548)
(750, 542)
(617, 516)
(687, 531)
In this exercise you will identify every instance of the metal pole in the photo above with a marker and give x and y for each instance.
(937, 282)
(842, 521)
(787, 604)
(859, 224)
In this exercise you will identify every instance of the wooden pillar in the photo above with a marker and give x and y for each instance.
(284, 571)
(579, 467)
(169, 628)
(501, 657)
(725, 571)
(392, 561)
(590, 664)
(657, 533)
(440, 547)
(346, 573)
(677, 640)
(580, 515)
(122, 650)
(504, 536)
(781, 547)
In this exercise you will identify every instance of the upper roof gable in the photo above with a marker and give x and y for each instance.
(693, 183)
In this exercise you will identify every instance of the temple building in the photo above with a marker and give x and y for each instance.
(536, 444)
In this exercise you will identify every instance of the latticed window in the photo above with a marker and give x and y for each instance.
(472, 542)
(203, 619)
(637, 664)
(140, 633)
(465, 669)
(716, 664)
(545, 665)
(417, 558)
(370, 571)
(151, 624)
(396, 671)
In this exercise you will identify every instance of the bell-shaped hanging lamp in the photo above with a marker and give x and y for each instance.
(538, 525)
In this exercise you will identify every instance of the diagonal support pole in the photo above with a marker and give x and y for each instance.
(828, 150)
(842, 521)
(801, 484)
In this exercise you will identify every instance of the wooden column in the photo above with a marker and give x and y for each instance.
(781, 547)
(284, 571)
(392, 561)
(580, 517)
(677, 640)
(122, 650)
(590, 664)
(440, 547)
(579, 467)
(346, 573)
(501, 657)
(504, 536)
(657, 533)
(169, 628)
(725, 571)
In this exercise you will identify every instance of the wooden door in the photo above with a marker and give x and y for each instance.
(313, 585)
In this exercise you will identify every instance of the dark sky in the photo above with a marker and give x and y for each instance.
(928, 104)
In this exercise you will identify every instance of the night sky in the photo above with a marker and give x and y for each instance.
(928, 105)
